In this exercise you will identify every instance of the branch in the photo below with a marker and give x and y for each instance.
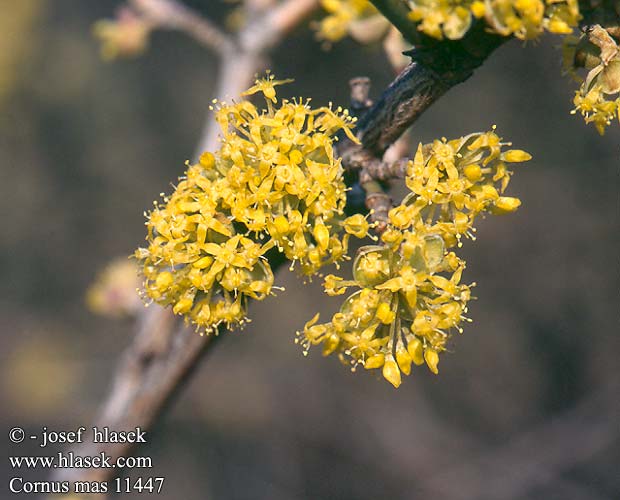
(171, 14)
(162, 355)
(435, 68)
(153, 367)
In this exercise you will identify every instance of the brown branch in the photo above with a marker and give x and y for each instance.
(436, 67)
(378, 203)
(153, 367)
(163, 354)
(434, 70)
(372, 168)
(371, 171)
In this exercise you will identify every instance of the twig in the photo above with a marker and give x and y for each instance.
(433, 71)
(360, 90)
(371, 167)
(171, 14)
(436, 67)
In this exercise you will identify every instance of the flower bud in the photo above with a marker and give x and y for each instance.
(391, 373)
(432, 359)
(385, 314)
(207, 160)
(516, 156)
(415, 350)
(473, 172)
(505, 205)
(164, 280)
(403, 358)
(375, 361)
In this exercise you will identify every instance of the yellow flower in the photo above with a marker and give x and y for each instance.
(407, 304)
(432, 359)
(411, 297)
(403, 358)
(342, 15)
(595, 106)
(274, 183)
(452, 182)
(524, 19)
(391, 373)
(357, 225)
(334, 285)
(267, 87)
(439, 18)
(505, 205)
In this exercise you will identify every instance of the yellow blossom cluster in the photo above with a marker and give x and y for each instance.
(444, 18)
(452, 182)
(342, 16)
(273, 185)
(409, 299)
(411, 292)
(596, 107)
(524, 19)
(598, 97)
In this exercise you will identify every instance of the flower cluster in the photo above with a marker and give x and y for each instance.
(452, 182)
(596, 107)
(524, 19)
(411, 294)
(273, 185)
(598, 98)
(444, 18)
(349, 17)
(408, 301)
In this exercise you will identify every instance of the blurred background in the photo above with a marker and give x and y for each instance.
(526, 407)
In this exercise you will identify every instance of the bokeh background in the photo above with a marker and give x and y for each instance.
(527, 405)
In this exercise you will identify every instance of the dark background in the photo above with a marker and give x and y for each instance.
(526, 407)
